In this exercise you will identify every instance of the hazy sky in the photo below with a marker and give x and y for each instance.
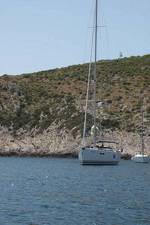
(43, 34)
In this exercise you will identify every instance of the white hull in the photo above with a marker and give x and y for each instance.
(140, 158)
(99, 156)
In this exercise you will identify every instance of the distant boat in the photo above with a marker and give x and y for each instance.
(141, 157)
(98, 152)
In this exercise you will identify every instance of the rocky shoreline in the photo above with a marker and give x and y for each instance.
(60, 143)
(42, 154)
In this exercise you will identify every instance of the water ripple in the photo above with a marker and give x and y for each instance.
(61, 192)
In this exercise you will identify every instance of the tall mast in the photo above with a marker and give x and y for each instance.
(142, 124)
(95, 61)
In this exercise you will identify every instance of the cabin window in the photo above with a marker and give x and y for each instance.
(101, 153)
(114, 156)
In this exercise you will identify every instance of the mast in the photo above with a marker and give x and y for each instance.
(95, 61)
(88, 86)
(142, 124)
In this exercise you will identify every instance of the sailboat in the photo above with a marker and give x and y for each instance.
(141, 157)
(98, 152)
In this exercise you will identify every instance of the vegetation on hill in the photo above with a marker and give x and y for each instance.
(42, 98)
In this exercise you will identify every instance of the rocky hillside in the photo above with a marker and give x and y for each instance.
(33, 103)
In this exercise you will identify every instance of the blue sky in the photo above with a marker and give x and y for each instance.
(43, 34)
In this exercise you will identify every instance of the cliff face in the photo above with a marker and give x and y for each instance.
(33, 104)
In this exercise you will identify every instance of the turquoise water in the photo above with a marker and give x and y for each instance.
(48, 191)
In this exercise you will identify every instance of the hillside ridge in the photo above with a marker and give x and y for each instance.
(40, 100)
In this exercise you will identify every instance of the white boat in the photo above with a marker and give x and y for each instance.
(97, 153)
(141, 157)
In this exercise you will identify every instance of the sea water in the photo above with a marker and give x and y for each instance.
(52, 191)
